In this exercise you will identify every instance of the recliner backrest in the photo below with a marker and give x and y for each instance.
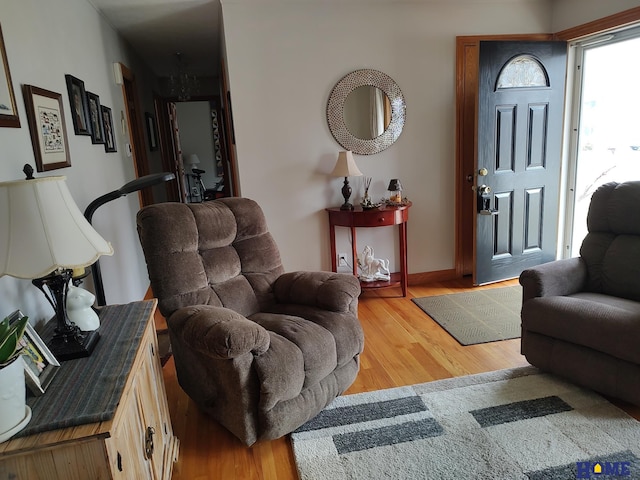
(611, 249)
(213, 253)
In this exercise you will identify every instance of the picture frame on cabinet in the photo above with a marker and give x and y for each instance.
(47, 127)
(79, 107)
(95, 118)
(40, 366)
(151, 131)
(109, 134)
(8, 111)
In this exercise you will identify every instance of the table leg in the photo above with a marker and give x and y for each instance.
(404, 276)
(332, 237)
(354, 251)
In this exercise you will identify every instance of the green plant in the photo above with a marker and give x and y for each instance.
(10, 336)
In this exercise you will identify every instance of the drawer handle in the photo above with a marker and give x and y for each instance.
(148, 443)
(381, 219)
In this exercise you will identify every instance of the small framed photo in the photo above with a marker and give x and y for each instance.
(95, 118)
(8, 111)
(40, 366)
(79, 108)
(48, 130)
(109, 134)
(151, 131)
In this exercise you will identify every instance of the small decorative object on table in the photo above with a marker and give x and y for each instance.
(14, 412)
(366, 200)
(373, 269)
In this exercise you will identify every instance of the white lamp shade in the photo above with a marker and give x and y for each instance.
(346, 166)
(42, 229)
(193, 159)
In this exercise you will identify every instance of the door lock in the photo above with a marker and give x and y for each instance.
(484, 201)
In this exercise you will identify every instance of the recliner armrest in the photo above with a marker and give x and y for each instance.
(218, 332)
(560, 277)
(337, 292)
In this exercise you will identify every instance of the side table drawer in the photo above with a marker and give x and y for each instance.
(378, 218)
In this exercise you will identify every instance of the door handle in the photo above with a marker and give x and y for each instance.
(484, 201)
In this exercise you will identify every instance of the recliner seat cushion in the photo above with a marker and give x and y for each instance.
(601, 322)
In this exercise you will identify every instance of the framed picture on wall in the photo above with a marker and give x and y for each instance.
(151, 131)
(8, 111)
(40, 366)
(47, 127)
(95, 118)
(79, 108)
(109, 134)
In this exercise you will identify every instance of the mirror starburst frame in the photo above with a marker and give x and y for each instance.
(335, 111)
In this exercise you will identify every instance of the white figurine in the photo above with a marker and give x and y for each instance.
(373, 269)
(79, 309)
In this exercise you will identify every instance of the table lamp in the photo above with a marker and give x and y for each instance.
(194, 161)
(395, 191)
(44, 237)
(346, 167)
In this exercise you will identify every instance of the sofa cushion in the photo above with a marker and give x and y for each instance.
(601, 322)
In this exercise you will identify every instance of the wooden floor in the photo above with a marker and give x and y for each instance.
(403, 346)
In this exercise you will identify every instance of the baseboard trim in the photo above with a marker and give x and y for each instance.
(437, 276)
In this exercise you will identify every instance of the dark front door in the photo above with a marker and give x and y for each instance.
(520, 115)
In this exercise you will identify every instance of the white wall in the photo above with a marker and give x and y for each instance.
(284, 59)
(570, 13)
(45, 40)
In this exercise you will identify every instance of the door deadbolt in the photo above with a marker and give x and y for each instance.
(483, 172)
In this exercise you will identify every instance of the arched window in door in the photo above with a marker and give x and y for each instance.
(522, 71)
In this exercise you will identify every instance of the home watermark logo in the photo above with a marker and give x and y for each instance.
(593, 470)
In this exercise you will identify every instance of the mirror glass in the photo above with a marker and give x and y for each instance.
(367, 112)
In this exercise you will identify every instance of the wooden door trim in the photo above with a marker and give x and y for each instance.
(466, 102)
(136, 136)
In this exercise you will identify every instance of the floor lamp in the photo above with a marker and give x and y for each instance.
(133, 186)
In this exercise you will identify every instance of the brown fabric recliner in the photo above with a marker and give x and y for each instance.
(259, 350)
(581, 316)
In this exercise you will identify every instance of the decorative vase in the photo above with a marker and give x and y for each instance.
(14, 412)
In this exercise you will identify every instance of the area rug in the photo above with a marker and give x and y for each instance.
(509, 424)
(479, 316)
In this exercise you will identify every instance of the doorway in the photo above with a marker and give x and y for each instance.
(606, 106)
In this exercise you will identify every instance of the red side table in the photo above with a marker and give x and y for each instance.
(375, 217)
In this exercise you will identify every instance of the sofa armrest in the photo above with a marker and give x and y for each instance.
(561, 277)
(337, 292)
(218, 332)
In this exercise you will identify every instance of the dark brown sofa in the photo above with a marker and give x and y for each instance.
(259, 350)
(581, 316)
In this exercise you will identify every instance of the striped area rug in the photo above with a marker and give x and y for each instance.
(509, 424)
(478, 316)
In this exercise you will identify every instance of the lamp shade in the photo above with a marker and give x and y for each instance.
(193, 159)
(42, 229)
(346, 166)
(394, 185)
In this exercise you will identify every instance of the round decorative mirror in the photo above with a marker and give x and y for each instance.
(366, 112)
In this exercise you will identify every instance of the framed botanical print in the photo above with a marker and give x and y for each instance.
(48, 130)
(95, 118)
(79, 108)
(8, 111)
(109, 134)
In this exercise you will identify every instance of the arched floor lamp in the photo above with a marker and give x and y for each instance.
(133, 186)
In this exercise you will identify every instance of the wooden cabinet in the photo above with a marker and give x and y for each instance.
(136, 444)
(376, 217)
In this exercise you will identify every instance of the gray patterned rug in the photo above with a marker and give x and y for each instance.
(479, 316)
(509, 424)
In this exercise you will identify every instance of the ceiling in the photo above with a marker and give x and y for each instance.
(158, 29)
